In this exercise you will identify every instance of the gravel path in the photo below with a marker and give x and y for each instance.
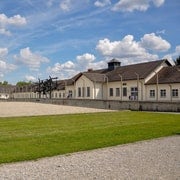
(153, 159)
(9, 109)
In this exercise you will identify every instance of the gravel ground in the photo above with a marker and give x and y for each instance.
(153, 159)
(9, 109)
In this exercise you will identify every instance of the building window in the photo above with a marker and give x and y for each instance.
(152, 93)
(59, 95)
(163, 93)
(174, 92)
(134, 93)
(124, 91)
(117, 92)
(83, 91)
(110, 91)
(88, 91)
(69, 94)
(79, 92)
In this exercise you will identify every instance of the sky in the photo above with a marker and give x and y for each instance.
(60, 38)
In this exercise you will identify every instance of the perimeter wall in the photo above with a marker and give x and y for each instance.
(111, 104)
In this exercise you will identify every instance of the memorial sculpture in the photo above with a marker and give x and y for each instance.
(46, 86)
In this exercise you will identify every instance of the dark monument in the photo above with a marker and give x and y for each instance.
(45, 86)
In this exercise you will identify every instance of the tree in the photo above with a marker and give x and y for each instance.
(23, 83)
(177, 61)
(4, 83)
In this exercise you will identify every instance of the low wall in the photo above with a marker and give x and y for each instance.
(112, 104)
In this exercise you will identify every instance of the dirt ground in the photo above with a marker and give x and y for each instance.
(10, 109)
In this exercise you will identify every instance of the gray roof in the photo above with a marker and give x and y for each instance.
(167, 75)
(129, 72)
(61, 85)
(95, 77)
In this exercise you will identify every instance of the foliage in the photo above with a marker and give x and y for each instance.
(23, 83)
(4, 83)
(25, 138)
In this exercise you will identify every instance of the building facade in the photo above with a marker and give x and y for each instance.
(150, 81)
(6, 91)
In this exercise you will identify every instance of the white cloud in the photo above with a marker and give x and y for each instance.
(16, 20)
(173, 55)
(102, 3)
(69, 68)
(65, 70)
(30, 78)
(153, 42)
(85, 58)
(73, 5)
(65, 5)
(139, 5)
(127, 49)
(6, 67)
(158, 3)
(49, 3)
(161, 31)
(87, 61)
(97, 65)
(32, 60)
(177, 51)
(3, 52)
(5, 32)
(65, 66)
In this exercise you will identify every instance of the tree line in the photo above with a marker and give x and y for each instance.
(19, 83)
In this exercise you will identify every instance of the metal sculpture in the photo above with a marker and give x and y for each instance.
(45, 86)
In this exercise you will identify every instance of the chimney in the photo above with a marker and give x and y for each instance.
(90, 70)
(113, 64)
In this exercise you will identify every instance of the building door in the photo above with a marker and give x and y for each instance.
(134, 93)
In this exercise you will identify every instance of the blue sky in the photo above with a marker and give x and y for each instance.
(63, 37)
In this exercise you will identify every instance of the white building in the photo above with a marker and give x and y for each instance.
(150, 81)
(6, 91)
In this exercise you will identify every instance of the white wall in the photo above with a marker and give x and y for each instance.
(124, 84)
(58, 94)
(95, 88)
(158, 88)
(4, 96)
(25, 95)
(98, 90)
(72, 89)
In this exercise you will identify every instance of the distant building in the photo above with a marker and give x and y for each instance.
(149, 81)
(6, 91)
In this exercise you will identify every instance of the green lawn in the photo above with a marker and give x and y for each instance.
(25, 138)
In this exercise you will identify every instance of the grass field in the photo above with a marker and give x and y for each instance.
(26, 138)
